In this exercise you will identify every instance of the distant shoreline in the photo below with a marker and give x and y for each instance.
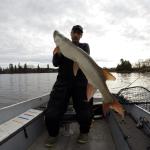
(29, 72)
(56, 71)
(130, 71)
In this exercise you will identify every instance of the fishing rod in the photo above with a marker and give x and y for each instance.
(133, 82)
(130, 102)
(127, 85)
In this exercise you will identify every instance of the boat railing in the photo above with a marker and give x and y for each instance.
(13, 110)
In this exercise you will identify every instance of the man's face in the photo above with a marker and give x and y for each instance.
(76, 36)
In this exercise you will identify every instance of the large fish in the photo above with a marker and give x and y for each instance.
(95, 75)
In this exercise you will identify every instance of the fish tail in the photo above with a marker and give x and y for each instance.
(115, 105)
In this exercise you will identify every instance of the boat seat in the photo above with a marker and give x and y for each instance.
(17, 124)
(70, 117)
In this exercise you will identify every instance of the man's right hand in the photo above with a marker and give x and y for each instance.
(56, 50)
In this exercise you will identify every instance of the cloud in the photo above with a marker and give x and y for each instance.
(134, 34)
(26, 27)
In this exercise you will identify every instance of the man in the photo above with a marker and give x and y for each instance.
(67, 85)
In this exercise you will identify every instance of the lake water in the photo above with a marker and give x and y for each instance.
(19, 87)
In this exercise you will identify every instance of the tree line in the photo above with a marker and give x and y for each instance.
(26, 69)
(140, 66)
(123, 67)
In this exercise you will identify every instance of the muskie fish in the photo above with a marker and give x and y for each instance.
(95, 75)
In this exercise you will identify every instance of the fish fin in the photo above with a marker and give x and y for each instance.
(107, 74)
(56, 50)
(115, 105)
(90, 90)
(75, 68)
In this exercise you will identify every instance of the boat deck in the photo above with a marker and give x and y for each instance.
(135, 137)
(99, 138)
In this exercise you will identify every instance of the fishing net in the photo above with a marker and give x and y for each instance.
(135, 95)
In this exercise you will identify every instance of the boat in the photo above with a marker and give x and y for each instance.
(22, 125)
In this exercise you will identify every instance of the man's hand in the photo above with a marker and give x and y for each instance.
(56, 50)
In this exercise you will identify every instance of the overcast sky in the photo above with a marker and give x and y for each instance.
(114, 29)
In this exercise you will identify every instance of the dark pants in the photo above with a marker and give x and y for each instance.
(58, 102)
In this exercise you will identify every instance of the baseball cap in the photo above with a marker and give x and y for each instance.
(77, 28)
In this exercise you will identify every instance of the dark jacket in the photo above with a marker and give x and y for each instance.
(65, 71)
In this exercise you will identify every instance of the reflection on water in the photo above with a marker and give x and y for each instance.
(129, 80)
(18, 87)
